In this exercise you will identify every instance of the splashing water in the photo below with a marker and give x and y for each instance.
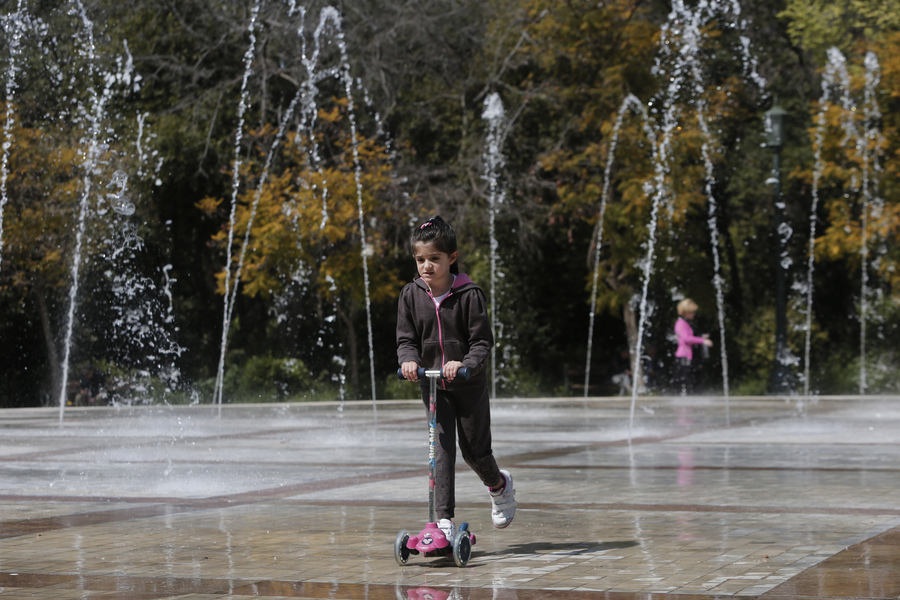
(659, 193)
(678, 64)
(493, 158)
(142, 155)
(141, 332)
(143, 313)
(633, 103)
(307, 125)
(332, 15)
(309, 109)
(14, 26)
(235, 188)
(305, 99)
(871, 138)
(357, 172)
(270, 155)
(117, 199)
(818, 140)
(95, 116)
(712, 223)
(341, 378)
(96, 154)
(867, 145)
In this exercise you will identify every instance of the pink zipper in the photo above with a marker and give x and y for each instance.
(437, 314)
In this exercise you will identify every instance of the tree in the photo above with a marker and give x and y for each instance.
(301, 223)
(581, 63)
(819, 25)
(63, 150)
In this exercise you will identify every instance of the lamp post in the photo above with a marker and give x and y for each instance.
(780, 380)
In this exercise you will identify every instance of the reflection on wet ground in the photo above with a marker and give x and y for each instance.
(762, 498)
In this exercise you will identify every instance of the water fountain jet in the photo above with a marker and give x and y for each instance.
(329, 18)
(678, 64)
(14, 26)
(867, 146)
(493, 158)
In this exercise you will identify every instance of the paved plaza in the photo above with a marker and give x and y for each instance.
(680, 498)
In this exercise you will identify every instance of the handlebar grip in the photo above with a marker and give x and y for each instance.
(463, 373)
(420, 372)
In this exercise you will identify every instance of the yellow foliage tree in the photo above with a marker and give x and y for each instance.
(42, 192)
(597, 54)
(305, 221)
(858, 181)
(44, 188)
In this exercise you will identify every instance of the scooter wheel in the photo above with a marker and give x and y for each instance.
(462, 548)
(401, 552)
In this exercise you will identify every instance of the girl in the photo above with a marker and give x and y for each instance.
(442, 323)
(684, 375)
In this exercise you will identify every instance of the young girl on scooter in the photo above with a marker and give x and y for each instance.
(442, 323)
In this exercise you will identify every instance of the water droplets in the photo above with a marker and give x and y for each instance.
(303, 109)
(678, 64)
(14, 26)
(117, 199)
(494, 114)
(866, 142)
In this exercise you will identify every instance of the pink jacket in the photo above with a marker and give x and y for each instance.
(686, 339)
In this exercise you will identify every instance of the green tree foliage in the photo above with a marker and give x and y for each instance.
(68, 135)
(818, 25)
(857, 187)
(580, 62)
(562, 70)
(566, 68)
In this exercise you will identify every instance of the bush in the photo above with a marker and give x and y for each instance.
(751, 387)
(395, 388)
(268, 379)
(123, 386)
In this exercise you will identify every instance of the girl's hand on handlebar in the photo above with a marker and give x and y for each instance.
(409, 370)
(450, 369)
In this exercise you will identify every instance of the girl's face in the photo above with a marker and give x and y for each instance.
(434, 266)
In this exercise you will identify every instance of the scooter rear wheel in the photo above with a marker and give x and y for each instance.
(401, 552)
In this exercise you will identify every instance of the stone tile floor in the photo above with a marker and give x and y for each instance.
(692, 498)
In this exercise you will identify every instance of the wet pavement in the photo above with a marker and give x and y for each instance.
(691, 498)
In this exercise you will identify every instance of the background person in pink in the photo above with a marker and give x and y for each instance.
(684, 355)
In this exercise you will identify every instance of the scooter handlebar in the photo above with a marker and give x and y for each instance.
(463, 373)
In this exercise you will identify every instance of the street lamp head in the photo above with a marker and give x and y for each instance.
(775, 126)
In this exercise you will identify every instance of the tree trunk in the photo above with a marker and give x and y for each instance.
(49, 341)
(631, 329)
(347, 318)
(631, 326)
(615, 282)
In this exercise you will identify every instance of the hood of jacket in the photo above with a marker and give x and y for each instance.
(461, 282)
(457, 330)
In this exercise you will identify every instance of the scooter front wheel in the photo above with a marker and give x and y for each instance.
(462, 548)
(401, 552)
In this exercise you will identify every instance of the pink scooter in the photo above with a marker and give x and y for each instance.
(431, 541)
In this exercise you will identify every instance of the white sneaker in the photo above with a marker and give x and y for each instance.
(449, 529)
(503, 503)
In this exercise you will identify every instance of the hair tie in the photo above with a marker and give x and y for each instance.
(425, 224)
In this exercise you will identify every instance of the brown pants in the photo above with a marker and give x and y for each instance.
(467, 412)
